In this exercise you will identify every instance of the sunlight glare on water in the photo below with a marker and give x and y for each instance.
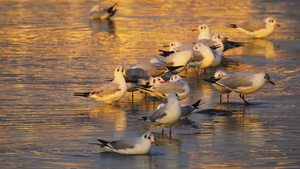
(51, 49)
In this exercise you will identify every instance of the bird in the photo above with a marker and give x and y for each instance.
(203, 57)
(221, 89)
(155, 67)
(216, 42)
(177, 46)
(167, 115)
(97, 12)
(257, 28)
(110, 92)
(243, 83)
(186, 111)
(204, 32)
(175, 84)
(181, 58)
(133, 145)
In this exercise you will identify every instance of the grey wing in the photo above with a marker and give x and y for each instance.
(154, 69)
(236, 80)
(107, 89)
(197, 56)
(187, 110)
(134, 74)
(123, 144)
(254, 25)
(158, 114)
(170, 87)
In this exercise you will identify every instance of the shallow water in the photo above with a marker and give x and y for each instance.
(51, 49)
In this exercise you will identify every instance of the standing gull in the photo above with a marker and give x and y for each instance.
(176, 84)
(221, 89)
(110, 92)
(257, 28)
(243, 83)
(204, 32)
(186, 111)
(167, 115)
(134, 145)
(97, 12)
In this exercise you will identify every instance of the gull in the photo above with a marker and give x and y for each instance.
(243, 83)
(133, 145)
(176, 46)
(176, 84)
(257, 28)
(186, 111)
(181, 58)
(203, 57)
(155, 67)
(221, 89)
(204, 32)
(97, 12)
(110, 92)
(167, 115)
(216, 42)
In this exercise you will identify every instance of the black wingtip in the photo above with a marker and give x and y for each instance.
(83, 94)
(211, 80)
(232, 25)
(145, 118)
(165, 53)
(172, 68)
(195, 105)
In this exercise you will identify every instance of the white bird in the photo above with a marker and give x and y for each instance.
(110, 92)
(176, 84)
(168, 115)
(181, 58)
(257, 28)
(203, 57)
(134, 145)
(155, 67)
(186, 111)
(221, 89)
(97, 12)
(243, 83)
(204, 32)
(178, 46)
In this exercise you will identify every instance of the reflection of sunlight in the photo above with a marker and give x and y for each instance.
(111, 114)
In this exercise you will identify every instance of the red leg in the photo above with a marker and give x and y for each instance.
(220, 97)
(162, 130)
(245, 101)
(227, 97)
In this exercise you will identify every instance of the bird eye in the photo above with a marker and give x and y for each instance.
(145, 136)
(201, 27)
(172, 44)
(149, 138)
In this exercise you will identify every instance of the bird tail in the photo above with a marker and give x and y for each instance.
(214, 47)
(145, 118)
(112, 8)
(211, 80)
(104, 143)
(82, 94)
(166, 53)
(195, 105)
(232, 25)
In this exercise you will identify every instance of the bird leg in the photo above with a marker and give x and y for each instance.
(162, 131)
(245, 101)
(170, 131)
(220, 97)
(227, 97)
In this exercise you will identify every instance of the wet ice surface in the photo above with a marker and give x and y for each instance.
(51, 49)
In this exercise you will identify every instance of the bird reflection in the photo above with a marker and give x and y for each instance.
(99, 25)
(261, 47)
(109, 113)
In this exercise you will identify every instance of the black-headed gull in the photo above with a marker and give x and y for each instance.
(257, 28)
(243, 83)
(176, 84)
(110, 92)
(204, 32)
(203, 57)
(97, 12)
(221, 89)
(134, 145)
(186, 111)
(167, 115)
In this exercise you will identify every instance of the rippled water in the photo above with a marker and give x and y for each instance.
(50, 49)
